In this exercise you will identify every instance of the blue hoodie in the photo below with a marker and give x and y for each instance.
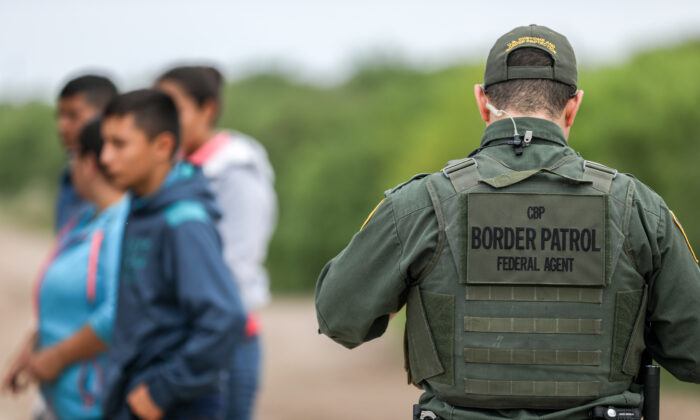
(78, 287)
(179, 315)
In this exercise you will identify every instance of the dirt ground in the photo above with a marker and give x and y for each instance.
(306, 376)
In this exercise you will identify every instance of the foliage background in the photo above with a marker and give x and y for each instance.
(336, 149)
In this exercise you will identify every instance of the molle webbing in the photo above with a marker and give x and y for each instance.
(531, 388)
(533, 357)
(533, 325)
(535, 294)
(601, 176)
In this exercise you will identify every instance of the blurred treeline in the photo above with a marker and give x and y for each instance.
(337, 149)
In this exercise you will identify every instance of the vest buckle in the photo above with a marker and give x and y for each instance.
(616, 413)
(420, 414)
(456, 165)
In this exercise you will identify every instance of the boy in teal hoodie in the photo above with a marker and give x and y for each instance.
(179, 316)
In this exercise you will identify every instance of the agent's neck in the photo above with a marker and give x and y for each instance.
(541, 115)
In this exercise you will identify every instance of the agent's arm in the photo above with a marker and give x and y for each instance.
(674, 334)
(359, 289)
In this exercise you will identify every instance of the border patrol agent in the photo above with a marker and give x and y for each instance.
(534, 280)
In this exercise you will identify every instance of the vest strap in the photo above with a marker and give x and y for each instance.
(442, 236)
(532, 388)
(426, 364)
(534, 325)
(629, 202)
(533, 357)
(601, 176)
(633, 356)
(534, 294)
(463, 174)
(423, 360)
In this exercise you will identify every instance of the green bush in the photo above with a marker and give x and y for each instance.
(336, 149)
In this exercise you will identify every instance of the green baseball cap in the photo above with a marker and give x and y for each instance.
(549, 41)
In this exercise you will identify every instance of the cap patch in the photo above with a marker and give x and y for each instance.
(532, 40)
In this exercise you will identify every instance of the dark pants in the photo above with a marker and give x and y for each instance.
(243, 378)
(207, 407)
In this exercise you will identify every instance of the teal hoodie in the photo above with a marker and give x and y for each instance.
(179, 315)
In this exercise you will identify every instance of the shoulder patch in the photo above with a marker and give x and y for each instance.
(372, 213)
(185, 211)
(678, 224)
(398, 187)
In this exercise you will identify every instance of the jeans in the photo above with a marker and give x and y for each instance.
(203, 408)
(206, 407)
(243, 378)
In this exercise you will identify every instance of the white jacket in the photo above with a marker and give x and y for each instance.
(242, 180)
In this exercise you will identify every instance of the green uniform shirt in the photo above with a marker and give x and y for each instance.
(396, 250)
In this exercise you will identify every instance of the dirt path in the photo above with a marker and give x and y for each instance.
(306, 376)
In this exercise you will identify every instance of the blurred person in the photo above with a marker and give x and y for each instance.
(179, 316)
(80, 101)
(75, 295)
(242, 179)
(534, 281)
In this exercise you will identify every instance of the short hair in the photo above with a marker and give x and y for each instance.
(154, 112)
(98, 90)
(531, 95)
(90, 142)
(201, 83)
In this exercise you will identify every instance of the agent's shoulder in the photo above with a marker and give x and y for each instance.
(645, 196)
(407, 185)
(413, 194)
(625, 184)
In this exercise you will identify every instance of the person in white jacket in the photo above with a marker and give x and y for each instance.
(242, 179)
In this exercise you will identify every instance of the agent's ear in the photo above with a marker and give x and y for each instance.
(481, 101)
(572, 107)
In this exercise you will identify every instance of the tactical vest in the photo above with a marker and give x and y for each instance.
(532, 298)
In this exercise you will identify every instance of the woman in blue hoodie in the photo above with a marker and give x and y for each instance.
(75, 296)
